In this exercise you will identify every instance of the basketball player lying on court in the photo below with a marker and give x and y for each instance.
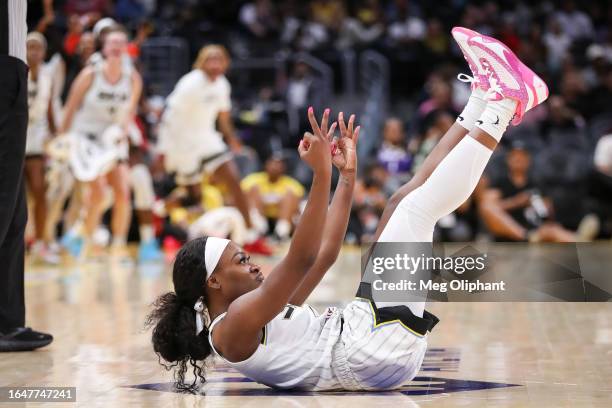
(262, 328)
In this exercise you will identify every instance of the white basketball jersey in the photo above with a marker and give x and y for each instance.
(296, 350)
(196, 101)
(39, 95)
(188, 130)
(104, 104)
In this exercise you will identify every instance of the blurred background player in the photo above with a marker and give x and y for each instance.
(40, 126)
(101, 105)
(275, 195)
(513, 208)
(189, 141)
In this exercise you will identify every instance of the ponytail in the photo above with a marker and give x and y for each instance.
(174, 340)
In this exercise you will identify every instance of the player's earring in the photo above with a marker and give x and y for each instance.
(199, 309)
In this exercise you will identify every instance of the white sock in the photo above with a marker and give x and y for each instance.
(473, 109)
(146, 233)
(496, 117)
(282, 229)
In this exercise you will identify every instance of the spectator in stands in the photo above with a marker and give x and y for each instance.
(435, 125)
(144, 30)
(600, 97)
(405, 26)
(275, 195)
(369, 202)
(532, 50)
(440, 96)
(259, 19)
(393, 153)
(399, 10)
(557, 44)
(564, 122)
(326, 12)
(302, 91)
(576, 24)
(507, 33)
(40, 15)
(363, 27)
(93, 10)
(292, 17)
(574, 91)
(513, 208)
(75, 62)
(73, 36)
(129, 11)
(436, 39)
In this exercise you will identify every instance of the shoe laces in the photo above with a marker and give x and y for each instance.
(473, 81)
(494, 87)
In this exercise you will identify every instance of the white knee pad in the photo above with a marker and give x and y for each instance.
(142, 185)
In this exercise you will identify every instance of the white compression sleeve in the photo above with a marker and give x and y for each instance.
(450, 184)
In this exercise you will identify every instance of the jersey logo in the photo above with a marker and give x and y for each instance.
(289, 309)
(329, 312)
(112, 96)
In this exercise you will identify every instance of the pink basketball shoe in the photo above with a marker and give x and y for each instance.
(479, 77)
(508, 76)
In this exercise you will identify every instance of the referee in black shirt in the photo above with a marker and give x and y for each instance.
(13, 212)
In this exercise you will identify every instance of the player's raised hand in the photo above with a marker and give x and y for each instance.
(345, 151)
(315, 147)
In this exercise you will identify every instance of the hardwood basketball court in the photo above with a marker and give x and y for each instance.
(481, 354)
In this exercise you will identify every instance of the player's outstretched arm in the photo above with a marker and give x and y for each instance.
(345, 159)
(250, 312)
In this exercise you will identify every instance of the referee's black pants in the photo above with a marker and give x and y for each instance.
(13, 211)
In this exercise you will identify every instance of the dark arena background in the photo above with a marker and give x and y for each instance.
(394, 64)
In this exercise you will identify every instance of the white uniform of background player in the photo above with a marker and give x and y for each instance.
(188, 136)
(97, 144)
(40, 93)
(39, 96)
(101, 104)
(189, 140)
(140, 177)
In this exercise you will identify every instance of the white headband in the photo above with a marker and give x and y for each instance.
(212, 253)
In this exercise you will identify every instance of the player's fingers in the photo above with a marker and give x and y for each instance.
(313, 121)
(332, 129)
(335, 148)
(342, 124)
(356, 135)
(301, 148)
(309, 139)
(325, 121)
(351, 122)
